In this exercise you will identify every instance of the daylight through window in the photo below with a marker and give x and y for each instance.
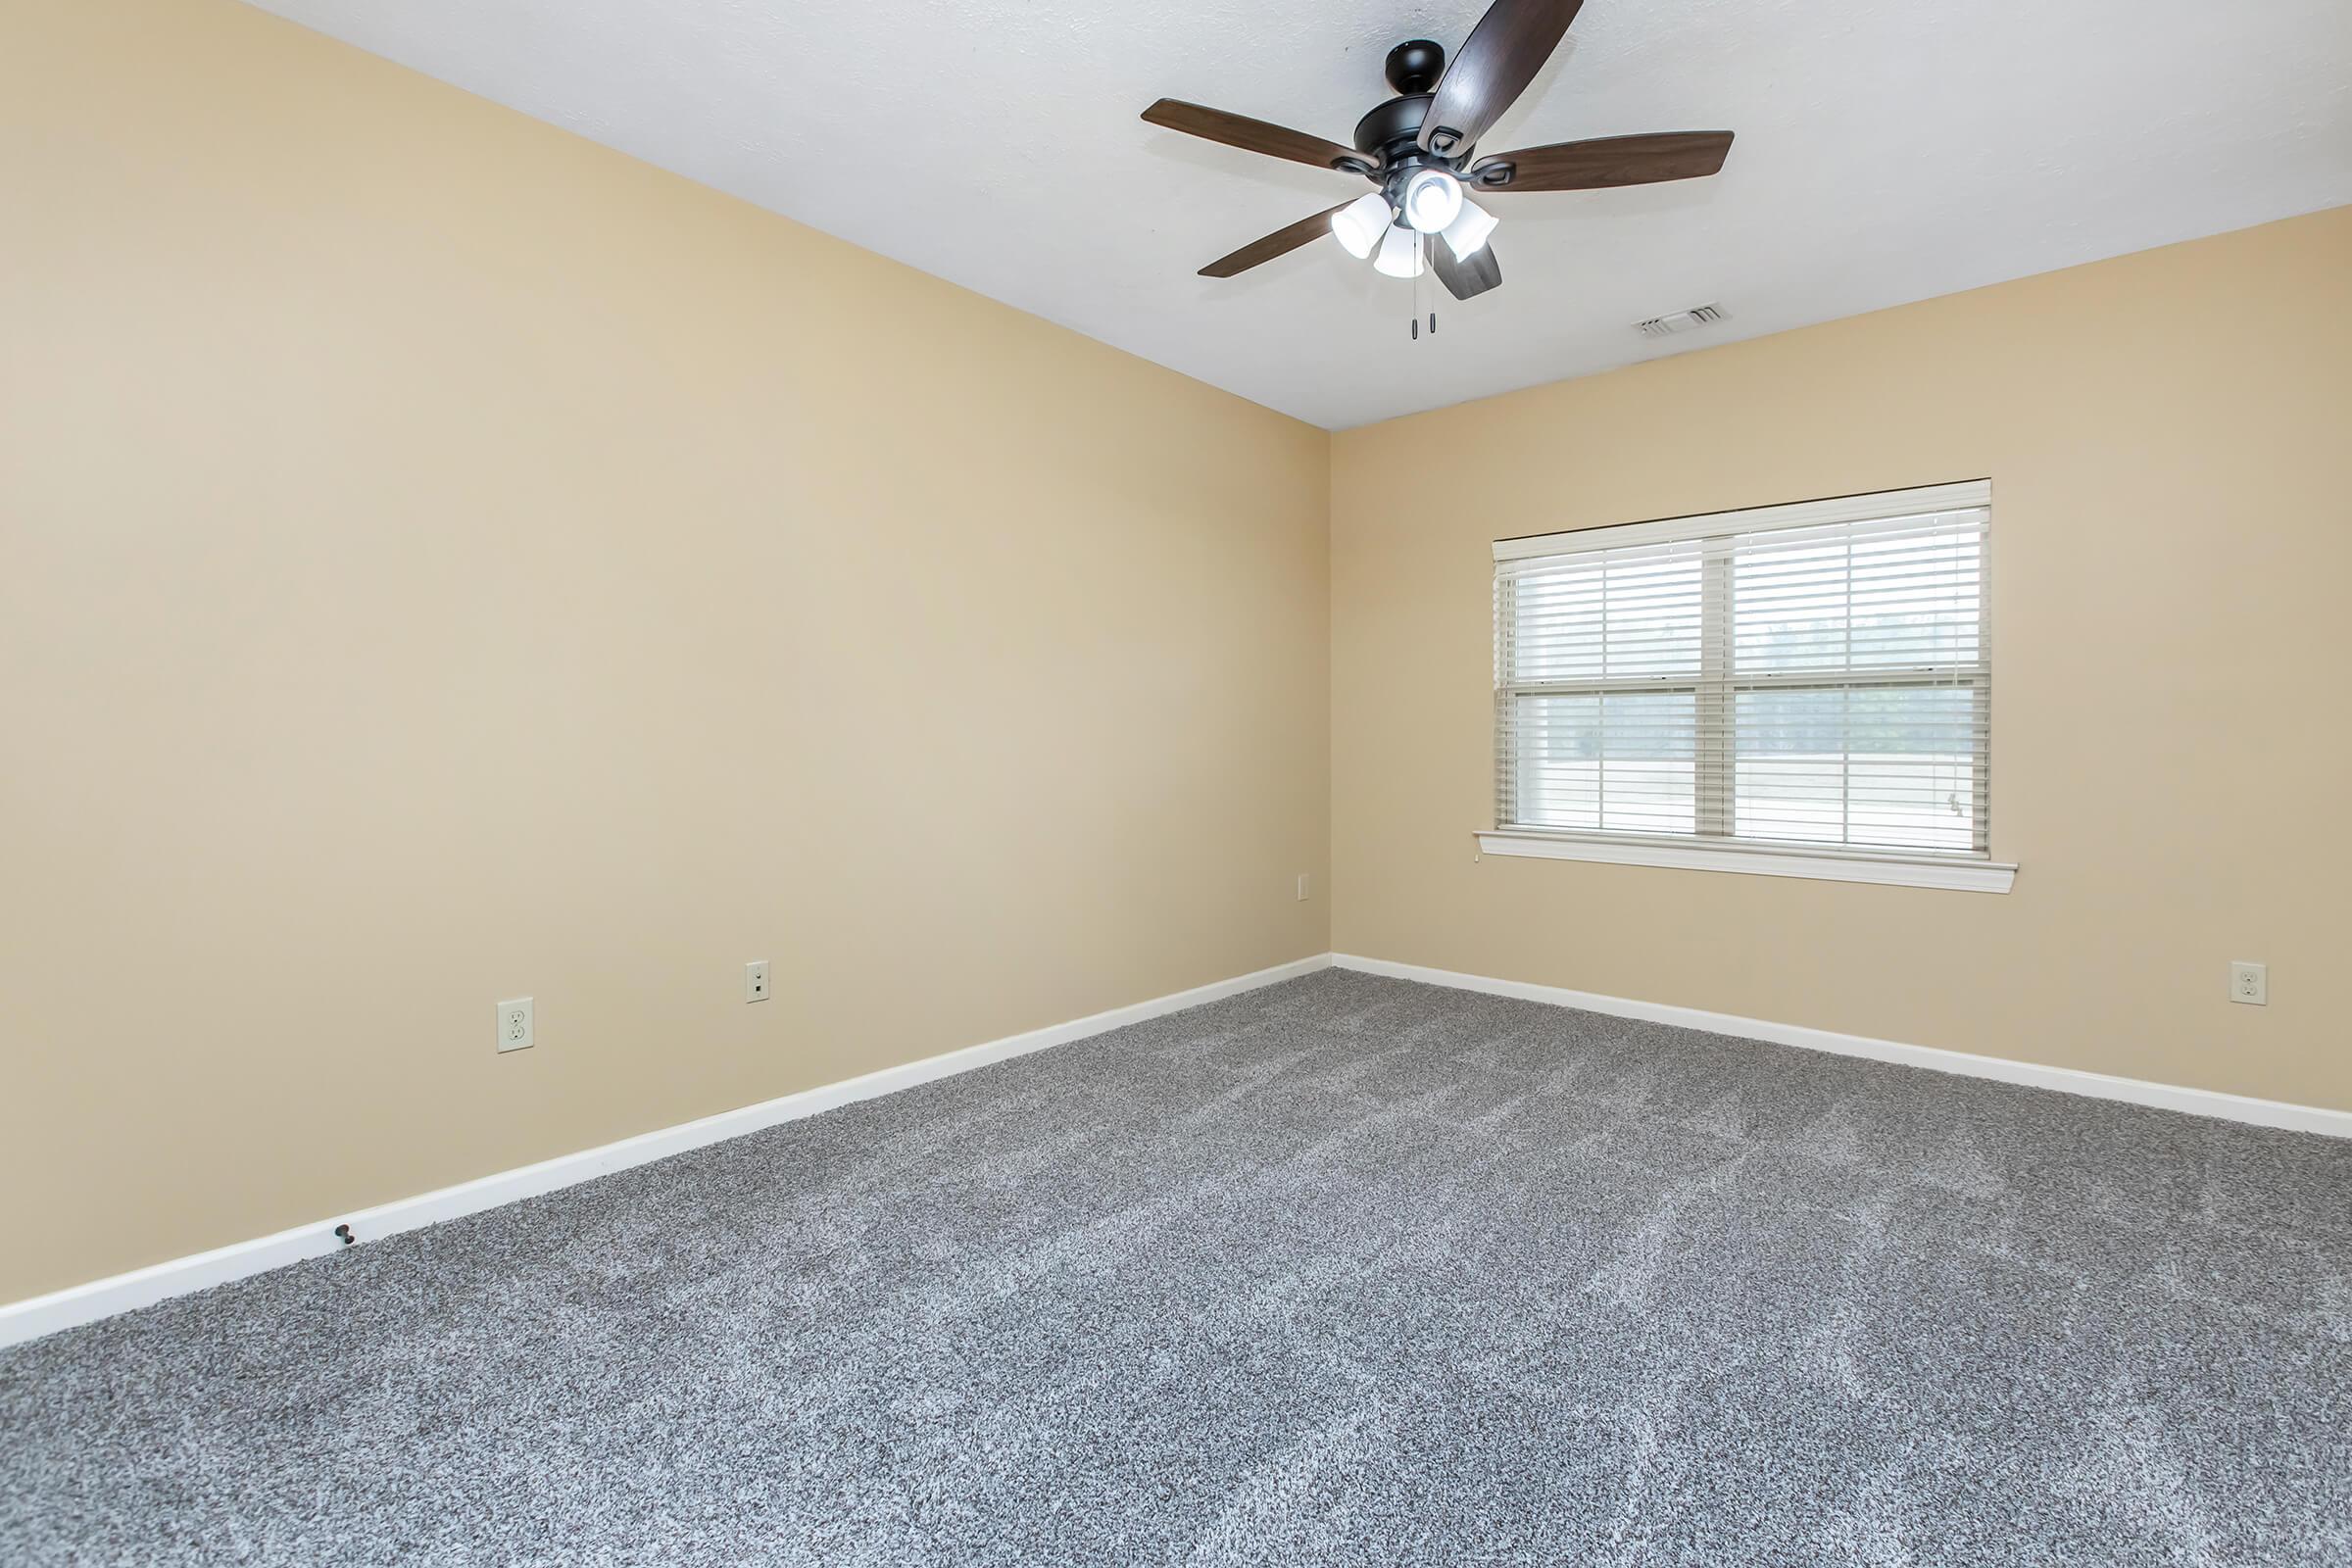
(1813, 675)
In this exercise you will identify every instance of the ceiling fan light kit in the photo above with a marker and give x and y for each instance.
(1420, 150)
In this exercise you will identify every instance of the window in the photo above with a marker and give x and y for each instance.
(1800, 690)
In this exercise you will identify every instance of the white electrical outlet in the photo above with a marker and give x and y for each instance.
(755, 981)
(2250, 983)
(515, 1031)
(1302, 887)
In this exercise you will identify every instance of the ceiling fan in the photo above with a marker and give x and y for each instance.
(1420, 148)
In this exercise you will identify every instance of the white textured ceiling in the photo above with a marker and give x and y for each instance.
(1889, 150)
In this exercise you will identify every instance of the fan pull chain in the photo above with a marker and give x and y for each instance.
(1421, 287)
(1419, 273)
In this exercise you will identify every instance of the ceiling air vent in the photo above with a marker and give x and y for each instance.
(1690, 320)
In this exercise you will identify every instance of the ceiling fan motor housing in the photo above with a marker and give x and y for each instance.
(1392, 122)
(1391, 133)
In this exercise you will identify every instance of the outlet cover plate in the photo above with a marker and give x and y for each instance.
(755, 981)
(516, 1029)
(2250, 983)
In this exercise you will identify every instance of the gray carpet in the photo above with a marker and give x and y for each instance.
(1344, 1271)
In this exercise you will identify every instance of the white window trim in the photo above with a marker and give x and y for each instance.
(1755, 859)
(1972, 873)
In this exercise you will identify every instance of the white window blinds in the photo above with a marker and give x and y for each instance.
(1812, 675)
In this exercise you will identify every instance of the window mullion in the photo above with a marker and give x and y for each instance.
(1712, 711)
(1511, 782)
(1846, 714)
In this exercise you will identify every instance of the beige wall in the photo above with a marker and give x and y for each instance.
(442, 559)
(2170, 441)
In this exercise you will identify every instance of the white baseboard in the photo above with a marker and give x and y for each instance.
(85, 1303)
(2068, 1080)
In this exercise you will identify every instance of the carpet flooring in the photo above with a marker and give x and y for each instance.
(1346, 1270)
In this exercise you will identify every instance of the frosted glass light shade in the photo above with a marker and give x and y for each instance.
(1359, 224)
(1466, 233)
(1399, 253)
(1431, 198)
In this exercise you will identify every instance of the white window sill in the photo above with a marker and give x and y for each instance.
(1908, 871)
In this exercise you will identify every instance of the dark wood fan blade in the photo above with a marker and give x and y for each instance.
(1281, 242)
(1464, 280)
(1492, 67)
(1254, 136)
(1605, 162)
